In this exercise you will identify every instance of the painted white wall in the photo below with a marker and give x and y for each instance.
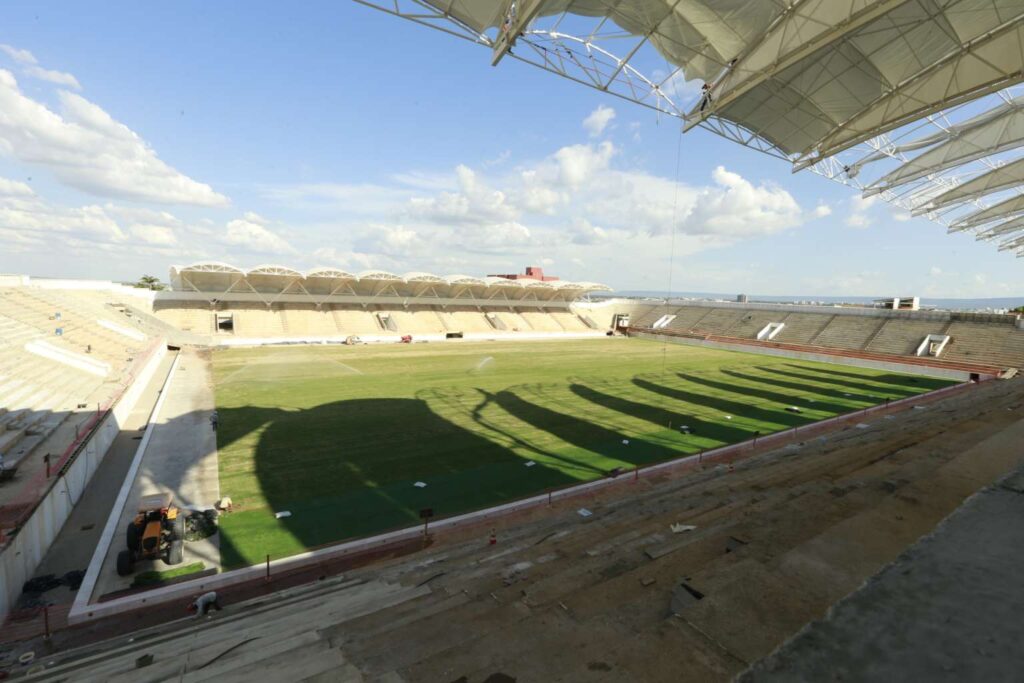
(20, 558)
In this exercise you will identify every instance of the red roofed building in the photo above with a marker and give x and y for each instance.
(532, 273)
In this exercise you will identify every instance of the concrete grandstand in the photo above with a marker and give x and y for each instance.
(963, 341)
(232, 305)
(88, 367)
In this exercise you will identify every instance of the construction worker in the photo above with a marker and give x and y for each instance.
(203, 603)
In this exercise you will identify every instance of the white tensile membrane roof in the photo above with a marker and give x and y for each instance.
(217, 278)
(905, 99)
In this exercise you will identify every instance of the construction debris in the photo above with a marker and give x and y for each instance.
(680, 528)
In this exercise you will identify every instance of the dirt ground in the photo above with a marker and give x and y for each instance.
(618, 595)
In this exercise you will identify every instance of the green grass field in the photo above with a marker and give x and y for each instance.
(338, 436)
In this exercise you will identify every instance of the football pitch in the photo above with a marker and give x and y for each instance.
(340, 436)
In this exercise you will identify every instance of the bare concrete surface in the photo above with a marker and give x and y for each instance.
(618, 595)
(949, 609)
(77, 540)
(181, 458)
(286, 638)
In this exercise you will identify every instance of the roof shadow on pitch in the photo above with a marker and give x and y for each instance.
(732, 406)
(868, 392)
(660, 417)
(566, 463)
(892, 378)
(348, 469)
(583, 434)
(787, 399)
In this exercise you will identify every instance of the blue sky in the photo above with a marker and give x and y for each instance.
(134, 136)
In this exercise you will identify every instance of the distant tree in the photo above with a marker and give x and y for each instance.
(149, 282)
(1019, 309)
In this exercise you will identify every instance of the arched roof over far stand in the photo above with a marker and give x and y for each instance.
(271, 283)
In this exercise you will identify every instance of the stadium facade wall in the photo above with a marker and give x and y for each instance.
(295, 319)
(20, 558)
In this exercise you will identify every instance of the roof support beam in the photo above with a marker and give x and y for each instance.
(738, 80)
(900, 104)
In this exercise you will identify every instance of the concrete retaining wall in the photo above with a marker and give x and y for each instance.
(891, 366)
(19, 559)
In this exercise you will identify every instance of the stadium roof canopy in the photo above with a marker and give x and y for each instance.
(907, 99)
(270, 282)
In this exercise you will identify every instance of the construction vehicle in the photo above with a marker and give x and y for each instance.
(156, 533)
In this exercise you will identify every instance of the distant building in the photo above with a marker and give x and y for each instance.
(532, 273)
(900, 303)
(742, 299)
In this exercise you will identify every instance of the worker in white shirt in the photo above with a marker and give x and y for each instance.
(203, 603)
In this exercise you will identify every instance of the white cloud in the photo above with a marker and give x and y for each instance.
(579, 163)
(583, 232)
(738, 208)
(571, 203)
(822, 211)
(502, 157)
(474, 203)
(859, 207)
(349, 260)
(18, 55)
(53, 76)
(30, 65)
(539, 195)
(392, 240)
(250, 233)
(29, 220)
(33, 219)
(154, 234)
(597, 121)
(935, 271)
(14, 188)
(87, 149)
